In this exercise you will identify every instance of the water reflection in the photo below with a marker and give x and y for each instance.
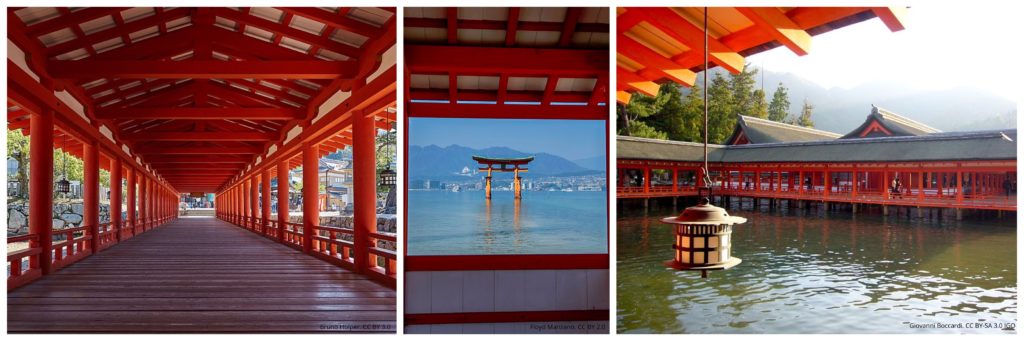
(803, 273)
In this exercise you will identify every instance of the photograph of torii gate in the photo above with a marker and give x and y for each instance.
(201, 169)
(865, 190)
(506, 170)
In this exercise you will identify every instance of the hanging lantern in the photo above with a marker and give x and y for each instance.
(387, 177)
(703, 238)
(64, 186)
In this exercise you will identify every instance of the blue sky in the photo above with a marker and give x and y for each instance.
(570, 139)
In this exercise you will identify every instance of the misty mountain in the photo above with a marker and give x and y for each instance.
(597, 163)
(840, 110)
(439, 163)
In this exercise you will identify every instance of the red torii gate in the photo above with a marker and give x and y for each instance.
(516, 164)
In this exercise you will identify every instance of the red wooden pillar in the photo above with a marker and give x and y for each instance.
(364, 181)
(90, 192)
(265, 196)
(920, 186)
(757, 179)
(131, 199)
(675, 179)
(647, 179)
(283, 185)
(855, 184)
(115, 196)
(828, 182)
(700, 178)
(243, 193)
(310, 194)
(959, 187)
(778, 183)
(253, 201)
(40, 186)
(144, 201)
(800, 183)
(885, 184)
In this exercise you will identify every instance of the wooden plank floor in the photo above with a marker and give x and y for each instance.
(200, 274)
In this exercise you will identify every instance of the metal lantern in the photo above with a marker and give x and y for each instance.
(387, 177)
(703, 238)
(63, 186)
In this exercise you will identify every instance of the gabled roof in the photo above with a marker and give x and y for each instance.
(755, 130)
(955, 146)
(882, 122)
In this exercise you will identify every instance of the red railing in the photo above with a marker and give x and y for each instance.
(69, 246)
(384, 260)
(108, 235)
(72, 246)
(271, 230)
(23, 265)
(293, 235)
(332, 244)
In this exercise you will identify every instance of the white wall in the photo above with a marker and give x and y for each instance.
(429, 292)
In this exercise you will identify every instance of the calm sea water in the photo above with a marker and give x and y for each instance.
(803, 273)
(464, 223)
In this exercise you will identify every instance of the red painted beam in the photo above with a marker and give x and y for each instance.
(336, 20)
(199, 136)
(447, 110)
(158, 159)
(197, 150)
(189, 113)
(499, 25)
(435, 59)
(202, 69)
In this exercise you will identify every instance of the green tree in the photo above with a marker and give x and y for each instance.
(805, 115)
(17, 149)
(641, 129)
(640, 106)
(760, 109)
(721, 109)
(668, 112)
(692, 116)
(742, 86)
(778, 109)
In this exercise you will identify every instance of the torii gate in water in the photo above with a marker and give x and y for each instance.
(504, 163)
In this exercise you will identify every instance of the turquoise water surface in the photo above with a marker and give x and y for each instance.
(464, 223)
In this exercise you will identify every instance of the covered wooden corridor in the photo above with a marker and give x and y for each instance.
(189, 101)
(201, 275)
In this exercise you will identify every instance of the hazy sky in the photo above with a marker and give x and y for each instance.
(570, 139)
(943, 46)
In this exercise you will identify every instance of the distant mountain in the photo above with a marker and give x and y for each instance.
(597, 163)
(840, 110)
(439, 163)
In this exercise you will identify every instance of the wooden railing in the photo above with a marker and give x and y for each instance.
(23, 265)
(384, 260)
(69, 246)
(293, 235)
(332, 244)
(108, 235)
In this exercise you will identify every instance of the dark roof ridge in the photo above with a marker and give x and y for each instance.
(744, 118)
(931, 137)
(892, 116)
